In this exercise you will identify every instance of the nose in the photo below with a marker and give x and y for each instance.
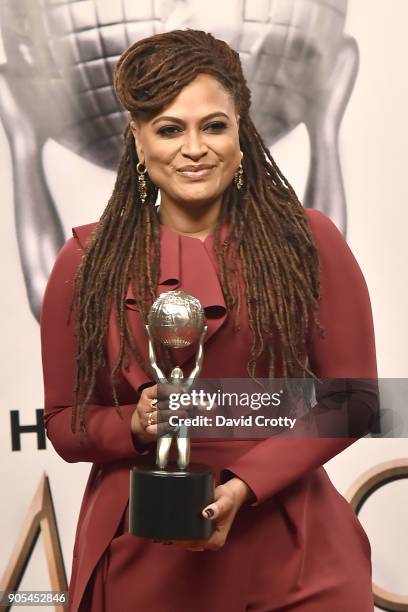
(193, 146)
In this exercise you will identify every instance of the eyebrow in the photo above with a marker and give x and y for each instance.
(178, 120)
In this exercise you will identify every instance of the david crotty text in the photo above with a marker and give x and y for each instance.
(221, 421)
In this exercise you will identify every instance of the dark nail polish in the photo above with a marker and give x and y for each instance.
(209, 512)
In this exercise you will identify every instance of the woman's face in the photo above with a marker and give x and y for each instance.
(191, 148)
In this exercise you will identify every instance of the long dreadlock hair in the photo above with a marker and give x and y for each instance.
(267, 226)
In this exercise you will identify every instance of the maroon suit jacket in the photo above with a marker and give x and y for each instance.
(347, 350)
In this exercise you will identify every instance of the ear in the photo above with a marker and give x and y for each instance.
(136, 131)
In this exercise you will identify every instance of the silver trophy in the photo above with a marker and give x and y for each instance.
(176, 319)
(166, 499)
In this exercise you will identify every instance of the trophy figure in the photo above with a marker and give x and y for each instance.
(176, 319)
(166, 499)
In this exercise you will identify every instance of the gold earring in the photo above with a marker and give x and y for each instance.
(142, 181)
(239, 175)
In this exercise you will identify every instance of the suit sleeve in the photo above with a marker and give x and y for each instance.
(345, 358)
(109, 437)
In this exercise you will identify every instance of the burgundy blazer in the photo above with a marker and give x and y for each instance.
(347, 350)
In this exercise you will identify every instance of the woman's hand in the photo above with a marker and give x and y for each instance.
(146, 415)
(229, 497)
(139, 424)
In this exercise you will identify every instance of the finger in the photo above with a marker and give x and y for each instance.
(209, 512)
(149, 423)
(151, 418)
(218, 508)
(163, 416)
(146, 405)
(163, 406)
(153, 403)
(149, 404)
(216, 543)
(149, 392)
(157, 421)
(164, 390)
(152, 430)
(154, 424)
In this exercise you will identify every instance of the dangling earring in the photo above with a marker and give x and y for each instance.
(142, 181)
(239, 175)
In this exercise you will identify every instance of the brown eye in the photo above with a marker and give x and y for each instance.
(168, 130)
(216, 126)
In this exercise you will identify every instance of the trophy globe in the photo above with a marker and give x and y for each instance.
(176, 319)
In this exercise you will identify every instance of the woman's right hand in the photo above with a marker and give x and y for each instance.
(144, 432)
(147, 410)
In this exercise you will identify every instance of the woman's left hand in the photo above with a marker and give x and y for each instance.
(228, 498)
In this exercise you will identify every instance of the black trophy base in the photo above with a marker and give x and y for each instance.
(166, 504)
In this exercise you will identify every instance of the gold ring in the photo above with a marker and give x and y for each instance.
(150, 418)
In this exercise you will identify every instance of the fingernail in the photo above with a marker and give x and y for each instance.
(209, 512)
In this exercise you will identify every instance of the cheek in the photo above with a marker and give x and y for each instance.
(158, 164)
(231, 151)
(232, 159)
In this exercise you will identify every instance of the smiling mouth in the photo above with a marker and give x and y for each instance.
(196, 174)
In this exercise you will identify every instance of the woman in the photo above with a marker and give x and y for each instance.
(283, 296)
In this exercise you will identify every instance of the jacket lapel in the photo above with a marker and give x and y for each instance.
(188, 264)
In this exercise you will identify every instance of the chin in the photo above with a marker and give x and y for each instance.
(200, 201)
(195, 197)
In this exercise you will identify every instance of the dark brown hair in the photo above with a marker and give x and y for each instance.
(267, 226)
